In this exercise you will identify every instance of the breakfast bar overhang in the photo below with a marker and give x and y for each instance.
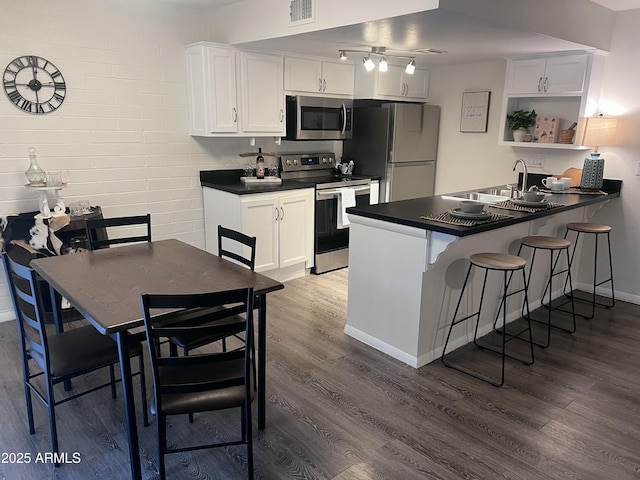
(405, 273)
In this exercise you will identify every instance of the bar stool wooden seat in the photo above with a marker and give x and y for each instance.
(593, 229)
(551, 244)
(498, 262)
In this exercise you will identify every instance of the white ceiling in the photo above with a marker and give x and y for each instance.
(464, 39)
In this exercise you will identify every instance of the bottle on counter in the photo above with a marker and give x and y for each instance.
(260, 164)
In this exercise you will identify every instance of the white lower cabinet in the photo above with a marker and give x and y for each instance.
(281, 222)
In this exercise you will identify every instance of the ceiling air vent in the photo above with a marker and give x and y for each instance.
(301, 12)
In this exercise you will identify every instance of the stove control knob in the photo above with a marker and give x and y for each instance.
(288, 161)
(324, 160)
(330, 159)
(295, 161)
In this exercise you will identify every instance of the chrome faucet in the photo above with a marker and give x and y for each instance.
(524, 173)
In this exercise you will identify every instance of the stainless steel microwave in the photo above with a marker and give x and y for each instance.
(319, 118)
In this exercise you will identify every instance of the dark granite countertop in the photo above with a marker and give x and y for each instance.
(229, 181)
(408, 212)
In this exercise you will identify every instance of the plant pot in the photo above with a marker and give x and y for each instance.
(519, 134)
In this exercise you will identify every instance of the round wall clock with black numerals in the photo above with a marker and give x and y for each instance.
(34, 84)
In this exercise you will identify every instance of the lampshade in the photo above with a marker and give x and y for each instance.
(600, 132)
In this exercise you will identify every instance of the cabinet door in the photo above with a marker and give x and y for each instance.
(391, 82)
(565, 74)
(416, 85)
(211, 76)
(259, 219)
(337, 78)
(262, 93)
(296, 228)
(223, 110)
(301, 74)
(525, 76)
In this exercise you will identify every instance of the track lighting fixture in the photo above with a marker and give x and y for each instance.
(383, 66)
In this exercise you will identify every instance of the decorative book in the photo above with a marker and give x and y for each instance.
(546, 130)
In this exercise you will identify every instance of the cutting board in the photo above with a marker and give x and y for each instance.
(575, 174)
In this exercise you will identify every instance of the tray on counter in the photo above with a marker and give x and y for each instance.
(265, 180)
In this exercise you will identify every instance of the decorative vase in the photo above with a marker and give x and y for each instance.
(519, 134)
(592, 172)
(35, 174)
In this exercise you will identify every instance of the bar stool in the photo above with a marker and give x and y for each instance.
(597, 230)
(499, 262)
(551, 244)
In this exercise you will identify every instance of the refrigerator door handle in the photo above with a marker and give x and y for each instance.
(344, 118)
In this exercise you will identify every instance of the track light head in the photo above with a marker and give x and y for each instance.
(368, 63)
(411, 67)
(343, 55)
(382, 64)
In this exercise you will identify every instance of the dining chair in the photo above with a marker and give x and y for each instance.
(98, 236)
(230, 242)
(62, 356)
(205, 382)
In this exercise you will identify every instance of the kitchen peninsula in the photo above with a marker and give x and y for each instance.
(405, 273)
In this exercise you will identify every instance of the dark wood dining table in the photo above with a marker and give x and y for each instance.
(105, 287)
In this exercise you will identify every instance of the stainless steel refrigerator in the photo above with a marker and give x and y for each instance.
(397, 142)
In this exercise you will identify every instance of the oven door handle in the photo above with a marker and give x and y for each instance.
(333, 192)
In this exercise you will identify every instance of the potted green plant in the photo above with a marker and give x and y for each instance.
(520, 121)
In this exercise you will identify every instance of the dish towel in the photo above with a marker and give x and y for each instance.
(346, 199)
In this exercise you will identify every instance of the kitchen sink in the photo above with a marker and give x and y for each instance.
(488, 195)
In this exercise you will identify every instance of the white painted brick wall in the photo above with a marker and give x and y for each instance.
(122, 130)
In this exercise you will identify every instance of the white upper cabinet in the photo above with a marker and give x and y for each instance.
(394, 84)
(564, 74)
(318, 76)
(233, 92)
(262, 94)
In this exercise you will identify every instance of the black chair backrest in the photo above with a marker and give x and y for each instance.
(241, 238)
(25, 294)
(160, 328)
(95, 225)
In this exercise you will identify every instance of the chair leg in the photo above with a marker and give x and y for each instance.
(52, 418)
(161, 422)
(27, 392)
(143, 391)
(185, 352)
(248, 432)
(112, 376)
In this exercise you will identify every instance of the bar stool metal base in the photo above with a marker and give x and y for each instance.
(597, 230)
(492, 262)
(552, 244)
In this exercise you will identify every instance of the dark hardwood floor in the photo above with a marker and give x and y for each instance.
(337, 409)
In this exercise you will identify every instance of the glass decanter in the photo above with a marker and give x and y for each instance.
(35, 174)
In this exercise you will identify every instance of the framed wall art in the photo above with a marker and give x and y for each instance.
(475, 112)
